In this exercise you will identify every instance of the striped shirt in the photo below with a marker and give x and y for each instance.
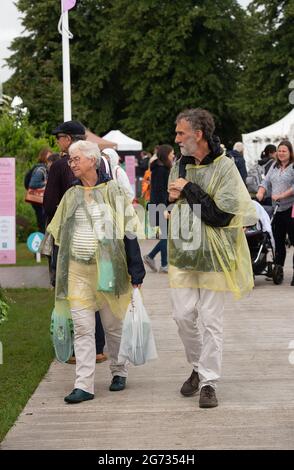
(278, 181)
(88, 229)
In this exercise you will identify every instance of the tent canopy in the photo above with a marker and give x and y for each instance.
(255, 142)
(123, 141)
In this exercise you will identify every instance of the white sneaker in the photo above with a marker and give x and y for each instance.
(150, 262)
(163, 269)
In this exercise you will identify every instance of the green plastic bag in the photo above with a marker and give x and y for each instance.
(62, 336)
(106, 276)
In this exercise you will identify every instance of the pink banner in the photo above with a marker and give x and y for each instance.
(68, 4)
(7, 211)
(130, 168)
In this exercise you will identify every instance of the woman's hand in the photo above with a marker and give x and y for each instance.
(284, 195)
(260, 194)
(276, 197)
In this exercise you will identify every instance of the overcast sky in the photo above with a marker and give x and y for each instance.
(10, 27)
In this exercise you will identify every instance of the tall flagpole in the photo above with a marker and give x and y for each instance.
(66, 66)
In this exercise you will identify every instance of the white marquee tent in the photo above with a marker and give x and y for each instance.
(254, 142)
(124, 143)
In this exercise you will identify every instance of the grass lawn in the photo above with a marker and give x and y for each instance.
(27, 350)
(24, 257)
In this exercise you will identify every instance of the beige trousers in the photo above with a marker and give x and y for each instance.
(82, 295)
(199, 317)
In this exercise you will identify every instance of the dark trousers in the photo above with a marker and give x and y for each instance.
(40, 216)
(283, 224)
(99, 334)
(162, 248)
(162, 244)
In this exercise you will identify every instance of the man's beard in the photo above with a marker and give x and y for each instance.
(184, 152)
(189, 149)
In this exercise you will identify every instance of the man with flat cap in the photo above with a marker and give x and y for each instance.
(60, 179)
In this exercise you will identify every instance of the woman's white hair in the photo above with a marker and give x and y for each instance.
(87, 148)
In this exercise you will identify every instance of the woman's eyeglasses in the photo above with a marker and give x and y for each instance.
(73, 160)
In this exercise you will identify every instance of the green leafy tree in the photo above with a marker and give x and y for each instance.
(179, 54)
(262, 95)
(134, 65)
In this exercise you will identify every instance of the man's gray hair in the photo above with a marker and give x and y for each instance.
(199, 119)
(87, 148)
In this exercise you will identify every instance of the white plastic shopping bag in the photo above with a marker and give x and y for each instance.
(137, 341)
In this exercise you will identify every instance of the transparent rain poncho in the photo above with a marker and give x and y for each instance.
(202, 256)
(89, 227)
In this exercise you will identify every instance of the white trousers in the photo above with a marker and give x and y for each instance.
(85, 348)
(199, 317)
(83, 308)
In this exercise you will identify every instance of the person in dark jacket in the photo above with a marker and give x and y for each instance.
(207, 192)
(61, 177)
(160, 169)
(237, 155)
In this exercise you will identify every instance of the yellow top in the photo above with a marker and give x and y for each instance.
(202, 256)
(89, 226)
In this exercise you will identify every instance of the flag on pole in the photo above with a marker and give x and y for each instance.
(68, 4)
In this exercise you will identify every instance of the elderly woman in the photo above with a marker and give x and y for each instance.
(98, 263)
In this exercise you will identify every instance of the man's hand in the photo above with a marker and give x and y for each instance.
(175, 189)
(174, 194)
(180, 183)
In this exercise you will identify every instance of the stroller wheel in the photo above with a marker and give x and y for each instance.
(278, 274)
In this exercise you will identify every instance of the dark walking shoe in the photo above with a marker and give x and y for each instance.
(78, 395)
(207, 397)
(278, 274)
(118, 383)
(191, 385)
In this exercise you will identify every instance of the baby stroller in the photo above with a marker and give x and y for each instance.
(261, 242)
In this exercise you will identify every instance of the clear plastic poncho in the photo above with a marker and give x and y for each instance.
(202, 256)
(89, 227)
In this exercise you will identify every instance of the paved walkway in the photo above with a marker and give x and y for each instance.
(24, 276)
(256, 393)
